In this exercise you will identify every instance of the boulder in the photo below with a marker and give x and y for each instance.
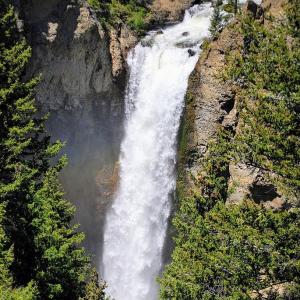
(191, 52)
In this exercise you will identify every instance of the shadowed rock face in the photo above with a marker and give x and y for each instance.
(261, 191)
(71, 51)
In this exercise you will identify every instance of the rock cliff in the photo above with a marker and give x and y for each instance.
(212, 104)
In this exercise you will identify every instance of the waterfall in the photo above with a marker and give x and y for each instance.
(136, 224)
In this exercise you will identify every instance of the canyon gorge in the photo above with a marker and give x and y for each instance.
(141, 113)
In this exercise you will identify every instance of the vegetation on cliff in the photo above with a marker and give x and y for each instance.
(246, 251)
(114, 12)
(231, 252)
(223, 11)
(40, 255)
(269, 74)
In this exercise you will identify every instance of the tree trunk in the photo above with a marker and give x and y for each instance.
(235, 6)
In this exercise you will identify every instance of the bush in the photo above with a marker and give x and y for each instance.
(269, 74)
(115, 12)
(231, 252)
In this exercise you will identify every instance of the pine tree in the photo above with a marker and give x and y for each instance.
(45, 248)
(216, 20)
(7, 291)
(62, 268)
(293, 15)
(232, 252)
(20, 161)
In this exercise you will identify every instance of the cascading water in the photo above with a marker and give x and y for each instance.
(136, 224)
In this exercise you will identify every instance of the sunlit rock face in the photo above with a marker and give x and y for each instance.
(169, 10)
(71, 51)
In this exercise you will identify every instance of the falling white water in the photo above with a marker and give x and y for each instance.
(136, 224)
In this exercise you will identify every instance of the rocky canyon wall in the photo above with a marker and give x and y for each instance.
(212, 104)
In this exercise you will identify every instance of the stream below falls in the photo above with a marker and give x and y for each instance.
(136, 223)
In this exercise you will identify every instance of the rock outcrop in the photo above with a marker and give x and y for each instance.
(250, 182)
(213, 100)
(275, 8)
(169, 10)
(122, 39)
(212, 104)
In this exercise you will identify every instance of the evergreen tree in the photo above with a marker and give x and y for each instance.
(232, 252)
(216, 20)
(293, 15)
(44, 247)
(269, 136)
(20, 147)
(7, 292)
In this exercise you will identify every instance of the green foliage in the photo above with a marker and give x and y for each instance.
(293, 15)
(94, 290)
(61, 266)
(212, 180)
(227, 251)
(216, 20)
(22, 149)
(269, 73)
(40, 256)
(231, 252)
(228, 7)
(216, 170)
(7, 291)
(94, 3)
(130, 12)
(223, 12)
(24, 293)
